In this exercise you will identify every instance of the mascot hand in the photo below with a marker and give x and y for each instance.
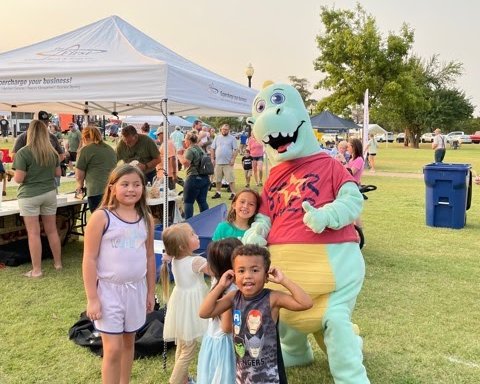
(253, 237)
(314, 218)
(258, 232)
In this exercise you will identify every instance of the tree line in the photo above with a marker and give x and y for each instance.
(407, 93)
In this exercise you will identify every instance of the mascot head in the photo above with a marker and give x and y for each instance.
(281, 121)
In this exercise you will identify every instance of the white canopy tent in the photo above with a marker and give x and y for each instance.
(376, 129)
(111, 68)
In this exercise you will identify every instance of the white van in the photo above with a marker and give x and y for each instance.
(381, 138)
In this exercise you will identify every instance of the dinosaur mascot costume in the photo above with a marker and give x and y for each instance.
(309, 204)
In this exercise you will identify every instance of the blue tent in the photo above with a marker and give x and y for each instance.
(327, 122)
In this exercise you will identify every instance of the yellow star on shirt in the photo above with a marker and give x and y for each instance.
(292, 189)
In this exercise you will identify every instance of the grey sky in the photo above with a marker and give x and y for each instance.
(277, 37)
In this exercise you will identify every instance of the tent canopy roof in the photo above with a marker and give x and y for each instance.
(329, 123)
(110, 66)
(376, 129)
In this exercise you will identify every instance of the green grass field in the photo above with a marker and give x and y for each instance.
(418, 311)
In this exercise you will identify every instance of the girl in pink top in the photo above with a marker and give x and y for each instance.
(356, 163)
(256, 151)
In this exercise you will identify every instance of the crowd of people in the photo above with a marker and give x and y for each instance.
(83, 153)
(236, 317)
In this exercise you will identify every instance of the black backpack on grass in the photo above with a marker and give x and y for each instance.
(148, 339)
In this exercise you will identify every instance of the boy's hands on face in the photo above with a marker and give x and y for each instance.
(275, 275)
(227, 279)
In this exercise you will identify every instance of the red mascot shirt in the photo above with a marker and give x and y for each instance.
(316, 179)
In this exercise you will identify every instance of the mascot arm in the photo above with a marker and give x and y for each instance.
(258, 232)
(337, 214)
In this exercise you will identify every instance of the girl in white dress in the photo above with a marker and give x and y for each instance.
(182, 323)
(216, 360)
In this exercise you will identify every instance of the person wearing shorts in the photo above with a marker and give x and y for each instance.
(74, 143)
(247, 161)
(37, 195)
(256, 150)
(371, 152)
(223, 153)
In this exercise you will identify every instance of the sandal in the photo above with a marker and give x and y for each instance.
(30, 274)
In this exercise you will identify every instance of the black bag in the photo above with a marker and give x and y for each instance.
(17, 253)
(205, 166)
(148, 340)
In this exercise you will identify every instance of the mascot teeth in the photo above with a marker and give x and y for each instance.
(280, 141)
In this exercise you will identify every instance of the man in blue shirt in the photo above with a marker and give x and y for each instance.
(223, 153)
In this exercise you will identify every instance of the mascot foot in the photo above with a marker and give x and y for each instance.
(294, 360)
(356, 329)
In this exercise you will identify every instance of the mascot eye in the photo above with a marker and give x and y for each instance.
(277, 98)
(260, 106)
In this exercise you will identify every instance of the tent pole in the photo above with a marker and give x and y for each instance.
(165, 165)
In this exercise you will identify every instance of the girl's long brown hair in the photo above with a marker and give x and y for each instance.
(231, 215)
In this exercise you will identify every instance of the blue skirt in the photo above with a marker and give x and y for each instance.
(216, 360)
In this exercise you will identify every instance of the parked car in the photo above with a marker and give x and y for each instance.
(400, 138)
(381, 138)
(427, 137)
(459, 136)
(475, 137)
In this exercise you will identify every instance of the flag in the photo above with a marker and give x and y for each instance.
(365, 120)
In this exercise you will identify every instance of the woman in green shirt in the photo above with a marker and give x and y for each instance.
(36, 166)
(95, 162)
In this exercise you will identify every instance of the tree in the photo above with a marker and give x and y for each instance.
(423, 99)
(301, 85)
(217, 122)
(355, 58)
(405, 91)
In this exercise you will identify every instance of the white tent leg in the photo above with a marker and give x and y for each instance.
(165, 164)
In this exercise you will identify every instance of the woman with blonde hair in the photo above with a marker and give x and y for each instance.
(36, 166)
(94, 165)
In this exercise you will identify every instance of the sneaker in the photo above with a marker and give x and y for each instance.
(71, 174)
(190, 380)
(216, 196)
(232, 196)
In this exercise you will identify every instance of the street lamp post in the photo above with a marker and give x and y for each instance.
(249, 72)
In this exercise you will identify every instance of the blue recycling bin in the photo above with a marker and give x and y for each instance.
(448, 194)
